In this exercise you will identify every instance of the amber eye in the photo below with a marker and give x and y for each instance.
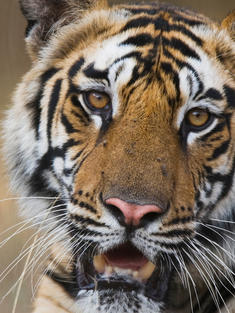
(96, 100)
(198, 117)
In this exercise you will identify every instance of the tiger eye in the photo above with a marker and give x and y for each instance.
(98, 100)
(198, 117)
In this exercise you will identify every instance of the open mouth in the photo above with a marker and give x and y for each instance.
(124, 268)
(124, 260)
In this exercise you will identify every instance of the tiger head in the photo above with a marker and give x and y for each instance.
(121, 144)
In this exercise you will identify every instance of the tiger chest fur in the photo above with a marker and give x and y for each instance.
(121, 143)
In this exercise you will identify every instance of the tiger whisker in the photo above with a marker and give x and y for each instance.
(199, 256)
(188, 276)
(23, 228)
(223, 265)
(214, 267)
(22, 278)
(222, 221)
(29, 220)
(22, 254)
(231, 256)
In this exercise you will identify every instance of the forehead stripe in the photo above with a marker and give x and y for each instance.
(178, 44)
(211, 93)
(76, 67)
(139, 40)
(91, 72)
(161, 24)
(175, 15)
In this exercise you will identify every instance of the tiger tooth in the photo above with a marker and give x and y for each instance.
(146, 271)
(108, 270)
(135, 274)
(99, 263)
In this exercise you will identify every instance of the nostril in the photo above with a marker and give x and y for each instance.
(116, 212)
(148, 218)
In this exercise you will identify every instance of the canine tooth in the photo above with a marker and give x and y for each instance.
(108, 270)
(146, 271)
(135, 274)
(99, 263)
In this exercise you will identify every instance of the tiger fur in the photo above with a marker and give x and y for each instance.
(121, 143)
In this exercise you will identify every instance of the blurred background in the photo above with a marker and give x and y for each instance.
(13, 64)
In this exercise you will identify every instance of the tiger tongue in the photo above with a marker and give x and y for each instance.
(126, 257)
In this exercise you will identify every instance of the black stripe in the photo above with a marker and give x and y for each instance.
(186, 32)
(52, 106)
(138, 40)
(220, 150)
(148, 11)
(168, 69)
(211, 93)
(76, 67)
(71, 143)
(75, 232)
(174, 12)
(230, 96)
(34, 106)
(86, 221)
(174, 233)
(80, 118)
(37, 181)
(178, 44)
(163, 25)
(181, 65)
(77, 104)
(219, 128)
(91, 72)
(179, 220)
(68, 126)
(137, 22)
(226, 180)
(187, 21)
(78, 154)
(88, 207)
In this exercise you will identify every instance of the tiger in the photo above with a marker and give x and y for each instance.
(120, 144)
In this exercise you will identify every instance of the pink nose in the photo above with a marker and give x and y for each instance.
(133, 213)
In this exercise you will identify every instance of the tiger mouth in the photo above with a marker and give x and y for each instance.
(124, 260)
(123, 268)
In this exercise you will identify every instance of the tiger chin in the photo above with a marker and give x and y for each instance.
(121, 145)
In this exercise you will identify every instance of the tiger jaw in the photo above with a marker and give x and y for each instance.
(124, 269)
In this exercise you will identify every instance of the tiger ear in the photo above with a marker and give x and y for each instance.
(45, 17)
(229, 24)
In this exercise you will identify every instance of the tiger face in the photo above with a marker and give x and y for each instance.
(122, 134)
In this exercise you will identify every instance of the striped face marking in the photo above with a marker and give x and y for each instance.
(125, 132)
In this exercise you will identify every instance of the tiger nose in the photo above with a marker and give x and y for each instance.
(133, 213)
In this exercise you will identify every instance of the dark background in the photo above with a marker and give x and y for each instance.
(13, 64)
